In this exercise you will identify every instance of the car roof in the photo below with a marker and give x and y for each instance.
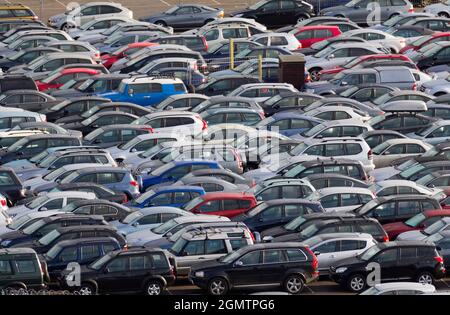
(330, 236)
(219, 195)
(290, 201)
(15, 251)
(343, 190)
(177, 188)
(87, 240)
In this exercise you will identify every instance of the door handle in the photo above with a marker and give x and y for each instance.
(201, 258)
(147, 96)
(332, 256)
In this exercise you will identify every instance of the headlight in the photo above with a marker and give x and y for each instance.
(341, 269)
(5, 243)
(200, 274)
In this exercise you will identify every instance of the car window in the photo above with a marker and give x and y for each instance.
(252, 258)
(194, 248)
(272, 213)
(273, 256)
(328, 247)
(90, 251)
(5, 267)
(347, 245)
(118, 264)
(409, 207)
(25, 266)
(214, 247)
(68, 254)
(386, 256)
(141, 262)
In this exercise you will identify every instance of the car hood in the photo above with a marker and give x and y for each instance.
(411, 236)
(159, 243)
(141, 237)
(287, 238)
(69, 119)
(12, 235)
(384, 173)
(45, 187)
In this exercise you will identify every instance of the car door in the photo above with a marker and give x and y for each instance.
(269, 217)
(388, 261)
(268, 14)
(326, 253)
(193, 252)
(140, 268)
(273, 268)
(245, 270)
(114, 276)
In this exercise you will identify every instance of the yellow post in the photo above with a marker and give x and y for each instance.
(231, 54)
(260, 67)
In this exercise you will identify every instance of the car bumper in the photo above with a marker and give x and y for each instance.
(197, 281)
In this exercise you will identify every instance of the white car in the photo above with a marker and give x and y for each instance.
(393, 43)
(10, 117)
(332, 247)
(258, 91)
(394, 149)
(342, 198)
(81, 14)
(335, 128)
(338, 113)
(417, 235)
(441, 9)
(400, 186)
(283, 40)
(167, 229)
(97, 26)
(226, 133)
(400, 288)
(50, 201)
(215, 34)
(76, 46)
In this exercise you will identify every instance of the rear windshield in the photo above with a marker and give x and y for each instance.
(17, 84)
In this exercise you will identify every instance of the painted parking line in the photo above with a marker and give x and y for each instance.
(215, 1)
(166, 3)
(8, 2)
(62, 4)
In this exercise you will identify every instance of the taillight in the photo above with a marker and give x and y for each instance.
(125, 198)
(385, 238)
(370, 155)
(308, 78)
(221, 14)
(134, 183)
(125, 247)
(261, 114)
(411, 9)
(299, 45)
(253, 183)
(414, 87)
(205, 125)
(315, 262)
(439, 259)
(3, 202)
(150, 130)
(195, 66)
(205, 43)
(97, 55)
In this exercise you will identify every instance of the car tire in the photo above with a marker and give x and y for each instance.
(425, 277)
(153, 287)
(314, 73)
(294, 284)
(356, 283)
(218, 286)
(161, 23)
(87, 289)
(443, 15)
(302, 17)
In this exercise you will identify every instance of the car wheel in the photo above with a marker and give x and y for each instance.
(301, 18)
(153, 287)
(425, 277)
(218, 286)
(161, 23)
(314, 73)
(87, 289)
(294, 284)
(443, 14)
(356, 283)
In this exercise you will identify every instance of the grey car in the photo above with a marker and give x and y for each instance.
(399, 20)
(109, 136)
(224, 174)
(47, 127)
(359, 11)
(28, 99)
(342, 101)
(245, 116)
(181, 101)
(185, 16)
(230, 102)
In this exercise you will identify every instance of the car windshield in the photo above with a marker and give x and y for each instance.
(112, 29)
(49, 159)
(421, 40)
(71, 177)
(17, 223)
(178, 246)
(171, 10)
(309, 231)
(83, 86)
(257, 5)
(380, 148)
(193, 203)
(160, 170)
(382, 99)
(99, 263)
(273, 99)
(320, 45)
(232, 256)
(425, 180)
(53, 252)
(372, 251)
(49, 237)
(294, 224)
(432, 51)
(94, 134)
(17, 55)
(132, 217)
(37, 202)
(54, 174)
(39, 157)
(143, 197)
(152, 151)
(298, 149)
(34, 227)
(313, 241)
(435, 227)
(313, 131)
(243, 53)
(70, 207)
(424, 131)
(113, 38)
(368, 206)
(434, 238)
(352, 3)
(349, 91)
(324, 52)
(165, 227)
(256, 210)
(411, 171)
(415, 220)
(17, 145)
(393, 20)
(431, 152)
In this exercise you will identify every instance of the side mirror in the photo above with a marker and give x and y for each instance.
(184, 253)
(331, 56)
(438, 248)
(344, 83)
(375, 215)
(52, 167)
(267, 239)
(133, 150)
(317, 253)
(95, 126)
(238, 263)
(106, 270)
(91, 28)
(260, 219)
(169, 107)
(135, 224)
(257, 237)
(43, 209)
(259, 198)
(319, 136)
(169, 234)
(97, 141)
(431, 186)
(130, 92)
(20, 153)
(387, 152)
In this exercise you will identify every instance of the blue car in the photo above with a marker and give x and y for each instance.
(289, 123)
(173, 171)
(172, 196)
(146, 91)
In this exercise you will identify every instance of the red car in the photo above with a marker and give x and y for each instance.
(419, 222)
(308, 35)
(109, 59)
(356, 61)
(425, 40)
(56, 80)
(227, 204)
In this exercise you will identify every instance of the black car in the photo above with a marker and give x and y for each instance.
(83, 251)
(225, 84)
(108, 209)
(95, 84)
(31, 100)
(286, 265)
(301, 222)
(366, 92)
(433, 57)
(336, 225)
(442, 242)
(11, 187)
(277, 12)
(112, 135)
(101, 119)
(29, 146)
(277, 212)
(416, 261)
(21, 269)
(25, 56)
(320, 181)
(140, 270)
(397, 208)
(288, 101)
(41, 227)
(73, 106)
(43, 244)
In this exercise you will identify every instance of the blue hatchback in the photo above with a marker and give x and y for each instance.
(289, 123)
(173, 171)
(172, 196)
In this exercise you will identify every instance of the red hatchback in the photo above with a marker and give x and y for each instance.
(308, 35)
(418, 222)
(227, 204)
(358, 60)
(109, 59)
(57, 79)
(425, 40)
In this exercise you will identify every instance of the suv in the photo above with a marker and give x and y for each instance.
(286, 265)
(337, 225)
(146, 91)
(132, 270)
(279, 188)
(261, 92)
(219, 32)
(418, 261)
(207, 245)
(21, 269)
